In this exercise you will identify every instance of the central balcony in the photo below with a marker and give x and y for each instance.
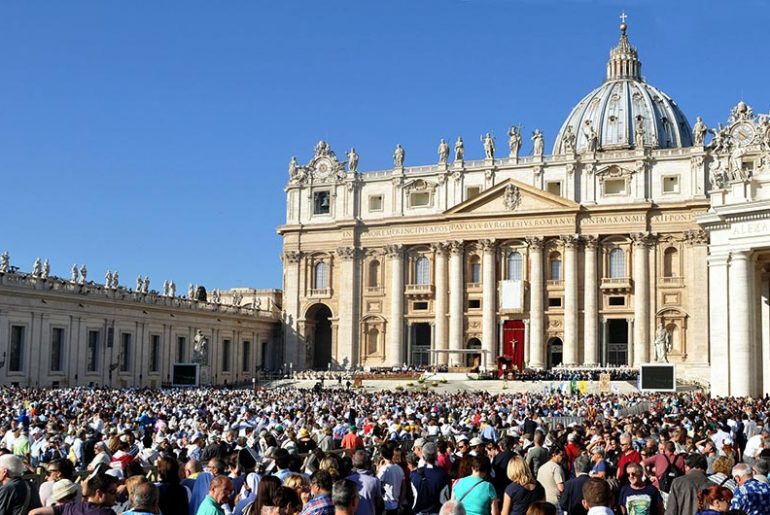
(419, 290)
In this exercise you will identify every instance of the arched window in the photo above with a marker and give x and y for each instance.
(422, 271)
(321, 276)
(514, 268)
(475, 270)
(555, 262)
(617, 263)
(372, 340)
(670, 262)
(374, 273)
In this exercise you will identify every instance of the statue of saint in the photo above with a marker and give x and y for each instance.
(662, 343)
(443, 152)
(5, 263)
(353, 160)
(165, 288)
(74, 274)
(639, 132)
(514, 142)
(293, 167)
(537, 143)
(592, 138)
(36, 268)
(398, 156)
(321, 149)
(83, 274)
(200, 348)
(139, 283)
(489, 146)
(459, 150)
(171, 289)
(108, 279)
(46, 269)
(568, 140)
(146, 285)
(115, 280)
(699, 131)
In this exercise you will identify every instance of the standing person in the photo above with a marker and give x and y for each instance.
(172, 496)
(351, 441)
(429, 483)
(571, 500)
(683, 498)
(627, 455)
(369, 487)
(551, 476)
(714, 500)
(321, 491)
(102, 494)
(17, 496)
(597, 496)
(637, 497)
(144, 500)
(537, 455)
(751, 496)
(392, 478)
(523, 490)
(665, 466)
(475, 492)
(220, 489)
(345, 497)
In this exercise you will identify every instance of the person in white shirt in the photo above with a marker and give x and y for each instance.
(392, 478)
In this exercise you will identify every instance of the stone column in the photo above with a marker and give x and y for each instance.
(718, 324)
(394, 352)
(764, 328)
(348, 320)
(570, 242)
(294, 346)
(526, 341)
(590, 303)
(631, 339)
(440, 304)
(536, 302)
(741, 351)
(489, 307)
(641, 298)
(456, 290)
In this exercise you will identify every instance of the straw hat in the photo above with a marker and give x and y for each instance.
(63, 488)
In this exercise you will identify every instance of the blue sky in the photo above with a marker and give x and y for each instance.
(153, 137)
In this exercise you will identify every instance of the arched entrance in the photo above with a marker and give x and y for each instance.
(318, 335)
(473, 359)
(555, 352)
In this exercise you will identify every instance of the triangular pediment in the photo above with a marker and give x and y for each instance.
(512, 196)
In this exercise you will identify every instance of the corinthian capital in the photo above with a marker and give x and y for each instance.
(347, 253)
(292, 256)
(569, 240)
(488, 245)
(393, 251)
(439, 247)
(456, 247)
(591, 241)
(642, 239)
(535, 242)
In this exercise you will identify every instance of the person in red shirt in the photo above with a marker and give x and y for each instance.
(657, 464)
(572, 450)
(351, 441)
(627, 455)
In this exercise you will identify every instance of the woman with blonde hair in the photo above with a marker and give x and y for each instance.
(723, 473)
(523, 491)
(300, 484)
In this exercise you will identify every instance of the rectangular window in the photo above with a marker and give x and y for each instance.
(472, 191)
(225, 355)
(57, 349)
(671, 184)
(617, 301)
(321, 203)
(375, 203)
(419, 199)
(246, 361)
(615, 187)
(154, 352)
(125, 352)
(16, 355)
(181, 343)
(554, 188)
(92, 356)
(554, 302)
(474, 304)
(420, 306)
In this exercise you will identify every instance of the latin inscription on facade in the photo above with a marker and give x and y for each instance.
(761, 228)
(459, 227)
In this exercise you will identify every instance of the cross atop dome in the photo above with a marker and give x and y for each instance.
(624, 62)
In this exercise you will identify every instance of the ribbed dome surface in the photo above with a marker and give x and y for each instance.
(623, 104)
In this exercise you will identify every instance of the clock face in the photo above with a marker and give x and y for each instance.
(323, 168)
(743, 134)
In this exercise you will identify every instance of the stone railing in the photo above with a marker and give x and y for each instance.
(615, 283)
(418, 289)
(98, 291)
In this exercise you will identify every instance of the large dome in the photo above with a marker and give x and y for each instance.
(625, 110)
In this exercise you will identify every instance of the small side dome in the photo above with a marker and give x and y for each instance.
(625, 111)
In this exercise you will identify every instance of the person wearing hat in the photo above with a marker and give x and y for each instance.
(305, 443)
(352, 441)
(64, 491)
(476, 445)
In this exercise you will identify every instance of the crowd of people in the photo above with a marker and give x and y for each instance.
(337, 450)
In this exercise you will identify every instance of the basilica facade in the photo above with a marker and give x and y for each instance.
(590, 255)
